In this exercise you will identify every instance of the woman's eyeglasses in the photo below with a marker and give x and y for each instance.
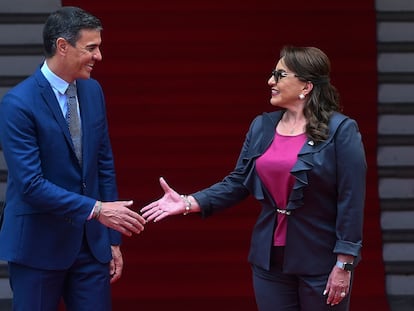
(279, 74)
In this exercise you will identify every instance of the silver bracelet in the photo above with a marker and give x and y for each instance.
(187, 204)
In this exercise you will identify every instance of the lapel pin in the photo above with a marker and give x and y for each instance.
(311, 143)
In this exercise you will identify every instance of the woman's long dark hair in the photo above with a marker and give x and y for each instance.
(311, 64)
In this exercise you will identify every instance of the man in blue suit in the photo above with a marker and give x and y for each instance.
(62, 223)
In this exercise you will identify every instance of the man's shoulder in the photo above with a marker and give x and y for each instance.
(23, 87)
(88, 84)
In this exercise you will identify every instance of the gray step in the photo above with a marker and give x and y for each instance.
(28, 6)
(5, 291)
(21, 24)
(5, 304)
(395, 153)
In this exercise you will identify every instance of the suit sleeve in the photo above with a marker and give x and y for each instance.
(107, 177)
(351, 179)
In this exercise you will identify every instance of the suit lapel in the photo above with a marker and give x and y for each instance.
(87, 114)
(51, 101)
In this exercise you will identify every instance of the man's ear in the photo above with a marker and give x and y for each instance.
(61, 46)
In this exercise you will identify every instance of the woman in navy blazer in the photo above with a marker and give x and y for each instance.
(305, 164)
(55, 232)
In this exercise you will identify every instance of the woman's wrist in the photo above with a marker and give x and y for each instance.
(187, 204)
(190, 204)
(345, 258)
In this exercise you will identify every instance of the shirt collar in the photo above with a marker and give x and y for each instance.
(56, 82)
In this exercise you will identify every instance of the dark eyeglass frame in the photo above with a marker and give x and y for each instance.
(279, 74)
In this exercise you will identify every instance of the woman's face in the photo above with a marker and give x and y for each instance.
(286, 87)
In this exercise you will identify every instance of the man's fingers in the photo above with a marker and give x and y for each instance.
(123, 230)
(123, 219)
(132, 224)
(128, 203)
(126, 226)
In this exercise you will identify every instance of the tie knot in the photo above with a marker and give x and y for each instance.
(71, 90)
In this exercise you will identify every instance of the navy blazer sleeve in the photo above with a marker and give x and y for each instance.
(351, 174)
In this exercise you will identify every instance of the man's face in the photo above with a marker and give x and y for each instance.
(81, 58)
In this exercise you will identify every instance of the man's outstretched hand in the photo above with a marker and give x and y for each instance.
(118, 216)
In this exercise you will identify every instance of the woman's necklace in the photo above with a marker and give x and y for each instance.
(297, 127)
(290, 130)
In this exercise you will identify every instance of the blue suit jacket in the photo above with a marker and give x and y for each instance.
(49, 196)
(326, 203)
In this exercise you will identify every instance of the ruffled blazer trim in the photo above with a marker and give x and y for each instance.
(305, 163)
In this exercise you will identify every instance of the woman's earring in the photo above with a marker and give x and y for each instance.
(301, 96)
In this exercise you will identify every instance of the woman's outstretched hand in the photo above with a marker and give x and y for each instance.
(171, 203)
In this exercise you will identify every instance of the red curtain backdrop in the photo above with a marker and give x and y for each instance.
(183, 79)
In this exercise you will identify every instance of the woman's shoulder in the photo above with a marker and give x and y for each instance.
(342, 123)
(268, 117)
(274, 115)
(336, 119)
(265, 119)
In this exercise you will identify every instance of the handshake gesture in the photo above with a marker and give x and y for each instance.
(118, 215)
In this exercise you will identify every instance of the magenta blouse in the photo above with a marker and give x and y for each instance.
(273, 168)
